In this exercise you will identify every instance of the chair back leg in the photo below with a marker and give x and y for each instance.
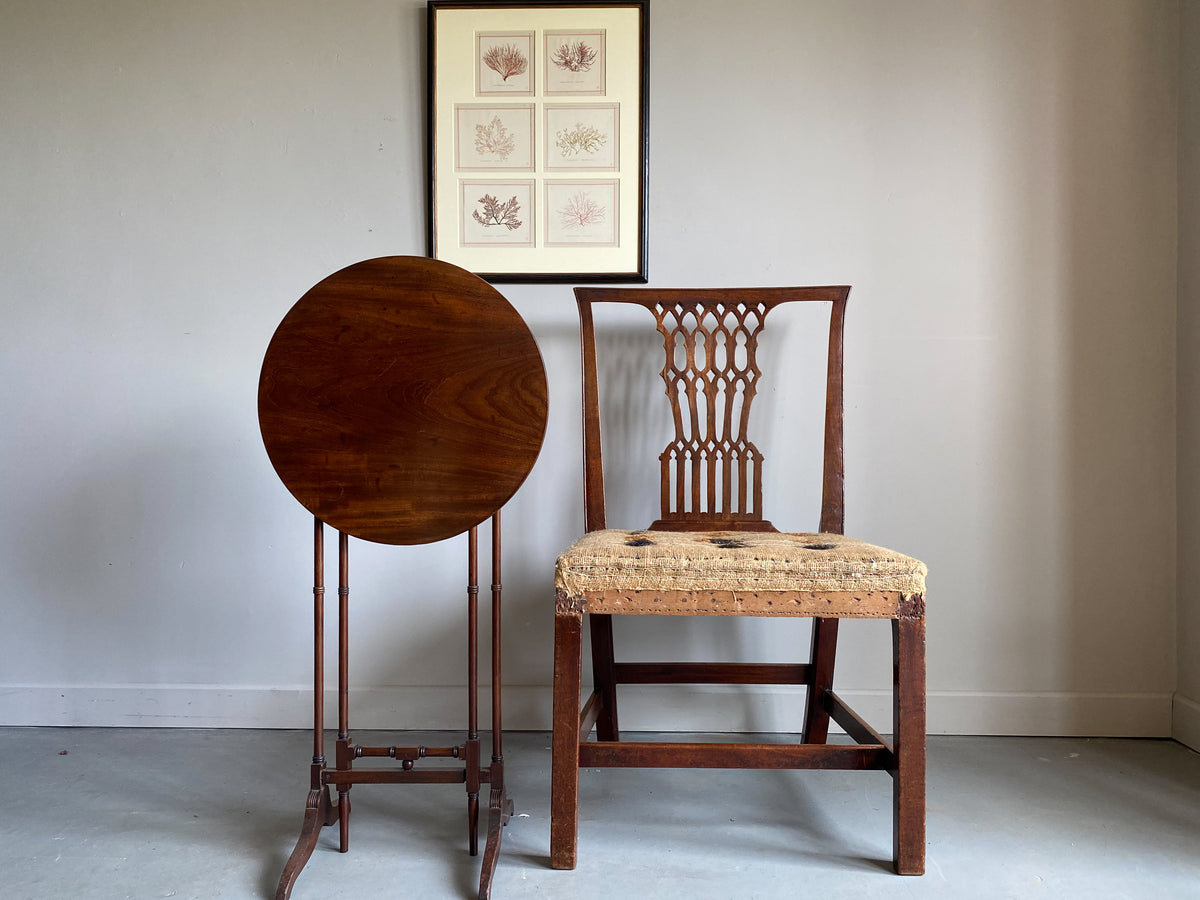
(820, 680)
(604, 677)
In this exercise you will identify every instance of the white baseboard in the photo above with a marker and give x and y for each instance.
(1185, 721)
(655, 708)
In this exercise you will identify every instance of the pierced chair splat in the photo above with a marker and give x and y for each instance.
(402, 400)
(712, 553)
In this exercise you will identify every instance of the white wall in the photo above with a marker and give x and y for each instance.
(996, 179)
(1187, 700)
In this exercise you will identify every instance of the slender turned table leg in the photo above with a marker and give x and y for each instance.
(472, 747)
(908, 778)
(319, 810)
(499, 806)
(564, 767)
(344, 760)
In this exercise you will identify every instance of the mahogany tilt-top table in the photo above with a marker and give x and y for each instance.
(402, 400)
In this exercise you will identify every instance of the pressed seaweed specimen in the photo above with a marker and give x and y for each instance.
(574, 57)
(580, 139)
(497, 213)
(505, 60)
(580, 211)
(494, 138)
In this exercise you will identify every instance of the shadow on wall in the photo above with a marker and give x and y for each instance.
(1120, 324)
(1095, 370)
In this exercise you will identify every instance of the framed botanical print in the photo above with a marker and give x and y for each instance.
(504, 62)
(493, 136)
(538, 138)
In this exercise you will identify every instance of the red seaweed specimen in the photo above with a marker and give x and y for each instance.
(505, 60)
(576, 57)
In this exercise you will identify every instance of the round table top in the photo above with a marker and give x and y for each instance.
(402, 400)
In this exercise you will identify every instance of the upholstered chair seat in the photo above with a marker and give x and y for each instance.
(735, 573)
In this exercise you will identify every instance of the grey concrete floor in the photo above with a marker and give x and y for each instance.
(143, 813)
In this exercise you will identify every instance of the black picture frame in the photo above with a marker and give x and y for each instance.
(519, 191)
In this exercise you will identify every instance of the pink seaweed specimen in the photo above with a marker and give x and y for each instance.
(581, 211)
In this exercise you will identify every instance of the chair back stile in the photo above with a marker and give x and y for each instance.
(593, 466)
(711, 472)
(833, 485)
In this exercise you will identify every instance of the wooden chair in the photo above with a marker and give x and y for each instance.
(712, 553)
(402, 400)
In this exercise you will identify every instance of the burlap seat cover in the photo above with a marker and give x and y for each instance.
(736, 562)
